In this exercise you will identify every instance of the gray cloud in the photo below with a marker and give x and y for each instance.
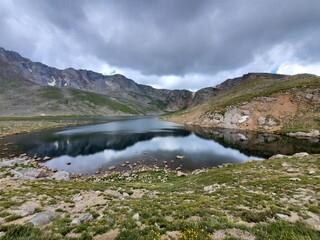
(164, 37)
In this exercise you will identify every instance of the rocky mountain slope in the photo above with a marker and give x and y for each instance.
(116, 88)
(262, 102)
(21, 97)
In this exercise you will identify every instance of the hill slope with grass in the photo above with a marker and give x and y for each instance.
(118, 88)
(273, 199)
(21, 97)
(259, 101)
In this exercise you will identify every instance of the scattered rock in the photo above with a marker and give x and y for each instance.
(138, 193)
(314, 223)
(111, 168)
(43, 218)
(295, 179)
(111, 235)
(46, 158)
(75, 221)
(61, 175)
(194, 219)
(181, 174)
(13, 162)
(136, 217)
(174, 235)
(179, 157)
(125, 194)
(292, 218)
(234, 232)
(28, 209)
(28, 173)
(68, 163)
(285, 164)
(278, 156)
(293, 170)
(261, 121)
(198, 171)
(309, 96)
(311, 172)
(212, 188)
(76, 198)
(86, 217)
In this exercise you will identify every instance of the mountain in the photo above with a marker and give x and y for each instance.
(258, 101)
(62, 87)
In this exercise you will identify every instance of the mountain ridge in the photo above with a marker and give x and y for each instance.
(110, 85)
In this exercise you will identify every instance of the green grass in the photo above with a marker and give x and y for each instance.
(252, 192)
(101, 100)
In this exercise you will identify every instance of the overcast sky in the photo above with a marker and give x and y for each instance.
(167, 43)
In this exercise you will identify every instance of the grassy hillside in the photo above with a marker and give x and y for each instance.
(254, 92)
(20, 97)
(272, 199)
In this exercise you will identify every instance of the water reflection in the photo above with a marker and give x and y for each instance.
(149, 141)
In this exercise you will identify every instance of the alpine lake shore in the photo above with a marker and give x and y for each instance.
(276, 198)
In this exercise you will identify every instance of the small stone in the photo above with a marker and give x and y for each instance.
(127, 162)
(86, 217)
(174, 235)
(68, 163)
(198, 171)
(126, 174)
(311, 172)
(136, 217)
(293, 170)
(179, 157)
(309, 96)
(125, 194)
(46, 158)
(43, 218)
(77, 197)
(110, 235)
(285, 164)
(278, 156)
(181, 174)
(111, 168)
(75, 221)
(178, 168)
(295, 179)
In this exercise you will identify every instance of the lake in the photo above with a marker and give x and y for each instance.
(113, 141)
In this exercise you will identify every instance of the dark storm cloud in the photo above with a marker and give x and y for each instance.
(164, 37)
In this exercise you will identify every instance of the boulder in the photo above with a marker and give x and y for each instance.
(76, 198)
(86, 217)
(301, 154)
(43, 218)
(61, 175)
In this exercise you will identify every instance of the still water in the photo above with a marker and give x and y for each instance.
(112, 141)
